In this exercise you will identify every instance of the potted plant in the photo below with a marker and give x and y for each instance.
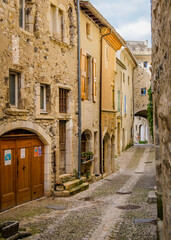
(83, 157)
(89, 155)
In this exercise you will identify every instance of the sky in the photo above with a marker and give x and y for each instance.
(130, 18)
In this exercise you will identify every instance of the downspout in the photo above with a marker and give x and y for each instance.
(133, 103)
(100, 107)
(79, 92)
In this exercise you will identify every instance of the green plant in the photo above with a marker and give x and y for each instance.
(75, 173)
(143, 142)
(89, 153)
(150, 111)
(87, 174)
(128, 146)
(83, 155)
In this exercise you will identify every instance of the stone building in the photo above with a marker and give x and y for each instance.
(125, 65)
(142, 82)
(161, 86)
(38, 107)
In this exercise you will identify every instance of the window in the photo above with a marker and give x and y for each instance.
(44, 98)
(22, 15)
(57, 22)
(88, 77)
(143, 91)
(60, 24)
(118, 100)
(145, 64)
(87, 29)
(53, 20)
(13, 88)
(63, 100)
(128, 80)
(123, 77)
(125, 104)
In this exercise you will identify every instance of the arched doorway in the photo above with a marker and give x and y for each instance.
(142, 133)
(86, 141)
(112, 153)
(21, 168)
(106, 153)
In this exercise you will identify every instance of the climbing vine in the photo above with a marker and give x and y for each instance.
(150, 111)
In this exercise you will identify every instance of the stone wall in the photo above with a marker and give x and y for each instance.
(40, 58)
(161, 76)
(142, 79)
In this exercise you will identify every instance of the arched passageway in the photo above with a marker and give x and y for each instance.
(106, 152)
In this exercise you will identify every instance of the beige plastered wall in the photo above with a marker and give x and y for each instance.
(90, 109)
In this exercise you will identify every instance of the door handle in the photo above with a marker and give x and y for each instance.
(24, 167)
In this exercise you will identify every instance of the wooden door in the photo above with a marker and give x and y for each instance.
(7, 174)
(62, 147)
(23, 162)
(21, 171)
(37, 169)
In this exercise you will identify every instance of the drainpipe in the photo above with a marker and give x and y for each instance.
(100, 107)
(133, 103)
(79, 92)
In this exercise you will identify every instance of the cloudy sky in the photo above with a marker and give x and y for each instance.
(131, 18)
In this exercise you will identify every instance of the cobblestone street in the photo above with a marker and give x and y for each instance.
(113, 208)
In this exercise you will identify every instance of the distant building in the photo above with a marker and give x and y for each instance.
(125, 65)
(142, 82)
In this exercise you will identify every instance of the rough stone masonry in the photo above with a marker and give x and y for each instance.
(161, 78)
(40, 53)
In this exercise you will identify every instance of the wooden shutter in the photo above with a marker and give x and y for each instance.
(94, 80)
(83, 73)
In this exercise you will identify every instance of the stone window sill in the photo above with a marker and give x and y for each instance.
(44, 117)
(64, 116)
(56, 40)
(16, 111)
(26, 32)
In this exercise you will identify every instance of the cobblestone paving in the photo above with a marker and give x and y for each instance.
(94, 214)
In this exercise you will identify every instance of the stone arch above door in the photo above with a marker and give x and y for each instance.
(44, 137)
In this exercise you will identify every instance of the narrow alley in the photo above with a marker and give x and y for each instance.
(116, 207)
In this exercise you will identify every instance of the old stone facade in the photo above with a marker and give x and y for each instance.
(161, 82)
(142, 82)
(38, 79)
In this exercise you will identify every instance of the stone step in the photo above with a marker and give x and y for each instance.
(66, 178)
(152, 197)
(79, 188)
(72, 184)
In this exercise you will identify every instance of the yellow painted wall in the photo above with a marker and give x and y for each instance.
(108, 76)
(90, 109)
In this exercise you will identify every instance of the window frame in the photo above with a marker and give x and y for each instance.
(125, 104)
(119, 101)
(53, 20)
(63, 105)
(143, 91)
(23, 26)
(57, 22)
(16, 74)
(43, 110)
(145, 64)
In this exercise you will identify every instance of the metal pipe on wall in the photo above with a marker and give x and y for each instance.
(79, 92)
(100, 108)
